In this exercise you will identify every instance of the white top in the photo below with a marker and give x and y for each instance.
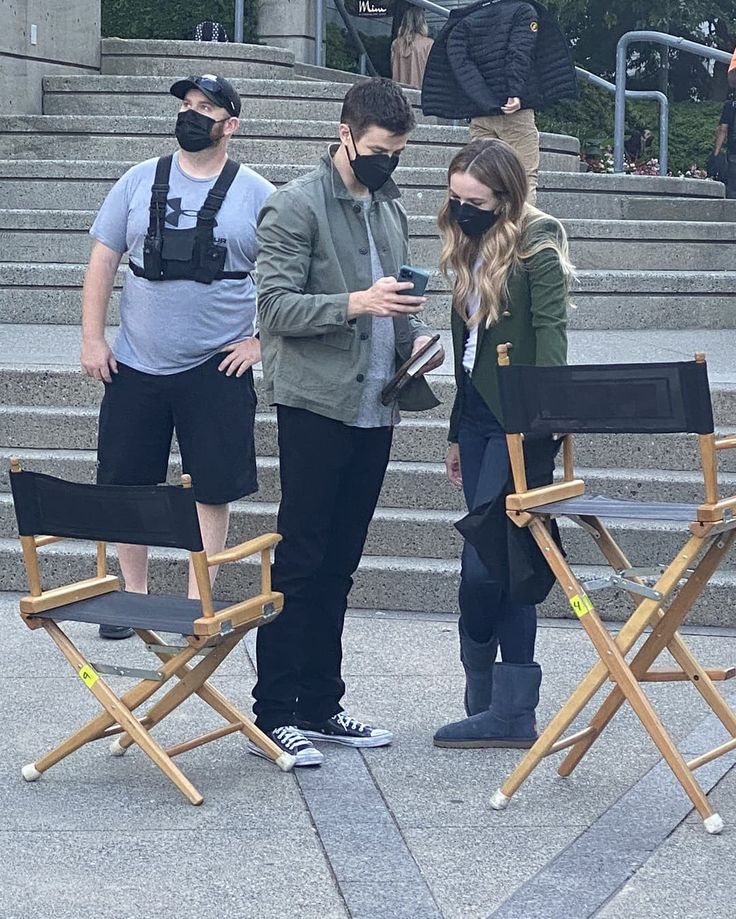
(471, 343)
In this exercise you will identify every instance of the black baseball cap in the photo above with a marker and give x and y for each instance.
(217, 90)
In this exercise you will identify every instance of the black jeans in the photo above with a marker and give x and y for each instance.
(331, 476)
(485, 609)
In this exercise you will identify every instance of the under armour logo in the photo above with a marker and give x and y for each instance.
(176, 211)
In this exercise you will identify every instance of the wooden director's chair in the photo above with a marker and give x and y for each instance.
(49, 509)
(653, 398)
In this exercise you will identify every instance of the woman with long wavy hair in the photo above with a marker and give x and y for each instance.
(510, 270)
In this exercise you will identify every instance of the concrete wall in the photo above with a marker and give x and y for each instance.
(67, 40)
(289, 24)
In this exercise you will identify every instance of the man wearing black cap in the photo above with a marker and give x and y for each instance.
(182, 359)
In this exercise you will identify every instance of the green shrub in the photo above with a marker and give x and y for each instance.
(692, 124)
(172, 18)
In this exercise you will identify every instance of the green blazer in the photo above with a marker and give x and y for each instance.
(534, 320)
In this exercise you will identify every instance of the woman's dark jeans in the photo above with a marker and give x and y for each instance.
(485, 608)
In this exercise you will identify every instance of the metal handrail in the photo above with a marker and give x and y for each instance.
(659, 38)
(644, 94)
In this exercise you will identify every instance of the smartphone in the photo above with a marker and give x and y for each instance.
(419, 278)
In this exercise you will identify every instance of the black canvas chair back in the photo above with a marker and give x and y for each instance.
(150, 515)
(656, 398)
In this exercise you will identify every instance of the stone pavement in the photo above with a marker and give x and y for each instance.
(400, 832)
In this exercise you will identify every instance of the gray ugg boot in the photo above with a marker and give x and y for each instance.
(509, 722)
(477, 659)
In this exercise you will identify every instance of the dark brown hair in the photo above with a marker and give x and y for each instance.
(379, 102)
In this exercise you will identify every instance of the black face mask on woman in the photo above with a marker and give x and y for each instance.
(372, 170)
(194, 131)
(471, 219)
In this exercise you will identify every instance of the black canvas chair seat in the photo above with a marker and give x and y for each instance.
(159, 612)
(619, 508)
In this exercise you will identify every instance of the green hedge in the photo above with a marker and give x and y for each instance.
(692, 124)
(173, 18)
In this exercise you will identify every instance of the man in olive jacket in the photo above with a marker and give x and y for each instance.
(334, 325)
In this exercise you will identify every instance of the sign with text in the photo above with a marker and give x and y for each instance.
(371, 9)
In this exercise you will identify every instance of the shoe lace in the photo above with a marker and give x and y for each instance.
(350, 724)
(291, 737)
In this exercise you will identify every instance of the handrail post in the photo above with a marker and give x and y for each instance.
(620, 112)
(319, 26)
(239, 16)
(664, 136)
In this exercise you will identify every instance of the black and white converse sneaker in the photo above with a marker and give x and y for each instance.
(341, 728)
(292, 741)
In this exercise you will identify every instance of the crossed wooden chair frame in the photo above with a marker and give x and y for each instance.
(214, 635)
(711, 535)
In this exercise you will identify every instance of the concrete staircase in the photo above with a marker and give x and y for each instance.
(657, 267)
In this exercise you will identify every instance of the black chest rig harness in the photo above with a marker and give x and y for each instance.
(186, 255)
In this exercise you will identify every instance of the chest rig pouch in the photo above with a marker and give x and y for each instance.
(186, 255)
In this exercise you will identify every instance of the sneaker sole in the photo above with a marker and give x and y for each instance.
(315, 758)
(499, 744)
(350, 741)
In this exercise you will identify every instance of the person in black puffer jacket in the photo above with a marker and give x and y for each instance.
(495, 62)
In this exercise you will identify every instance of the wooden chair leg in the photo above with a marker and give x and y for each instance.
(612, 661)
(229, 712)
(664, 635)
(189, 682)
(117, 712)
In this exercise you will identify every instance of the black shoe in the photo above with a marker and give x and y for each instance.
(116, 631)
(292, 741)
(343, 729)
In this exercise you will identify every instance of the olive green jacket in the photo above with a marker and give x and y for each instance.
(313, 252)
(534, 320)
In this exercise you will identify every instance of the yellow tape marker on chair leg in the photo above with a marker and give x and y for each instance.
(88, 675)
(581, 605)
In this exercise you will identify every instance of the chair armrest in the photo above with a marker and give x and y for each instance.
(244, 549)
(726, 443)
(547, 494)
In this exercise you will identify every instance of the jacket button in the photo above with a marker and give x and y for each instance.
(357, 208)
(363, 251)
(506, 314)
(360, 378)
(339, 317)
(363, 336)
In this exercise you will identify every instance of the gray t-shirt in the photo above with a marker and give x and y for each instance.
(372, 413)
(171, 326)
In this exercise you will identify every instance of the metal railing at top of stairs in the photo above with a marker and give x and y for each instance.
(659, 38)
(650, 95)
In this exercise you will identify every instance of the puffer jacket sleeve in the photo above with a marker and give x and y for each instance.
(520, 52)
(465, 68)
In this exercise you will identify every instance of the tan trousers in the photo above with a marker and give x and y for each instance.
(519, 131)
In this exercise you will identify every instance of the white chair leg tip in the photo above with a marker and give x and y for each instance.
(713, 824)
(30, 773)
(285, 762)
(499, 801)
(116, 749)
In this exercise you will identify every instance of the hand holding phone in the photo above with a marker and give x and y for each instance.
(417, 276)
(387, 297)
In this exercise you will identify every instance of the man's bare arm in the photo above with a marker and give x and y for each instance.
(97, 358)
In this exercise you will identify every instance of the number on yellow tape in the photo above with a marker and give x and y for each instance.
(581, 605)
(88, 675)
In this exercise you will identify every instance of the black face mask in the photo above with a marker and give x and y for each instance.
(471, 219)
(194, 131)
(372, 170)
